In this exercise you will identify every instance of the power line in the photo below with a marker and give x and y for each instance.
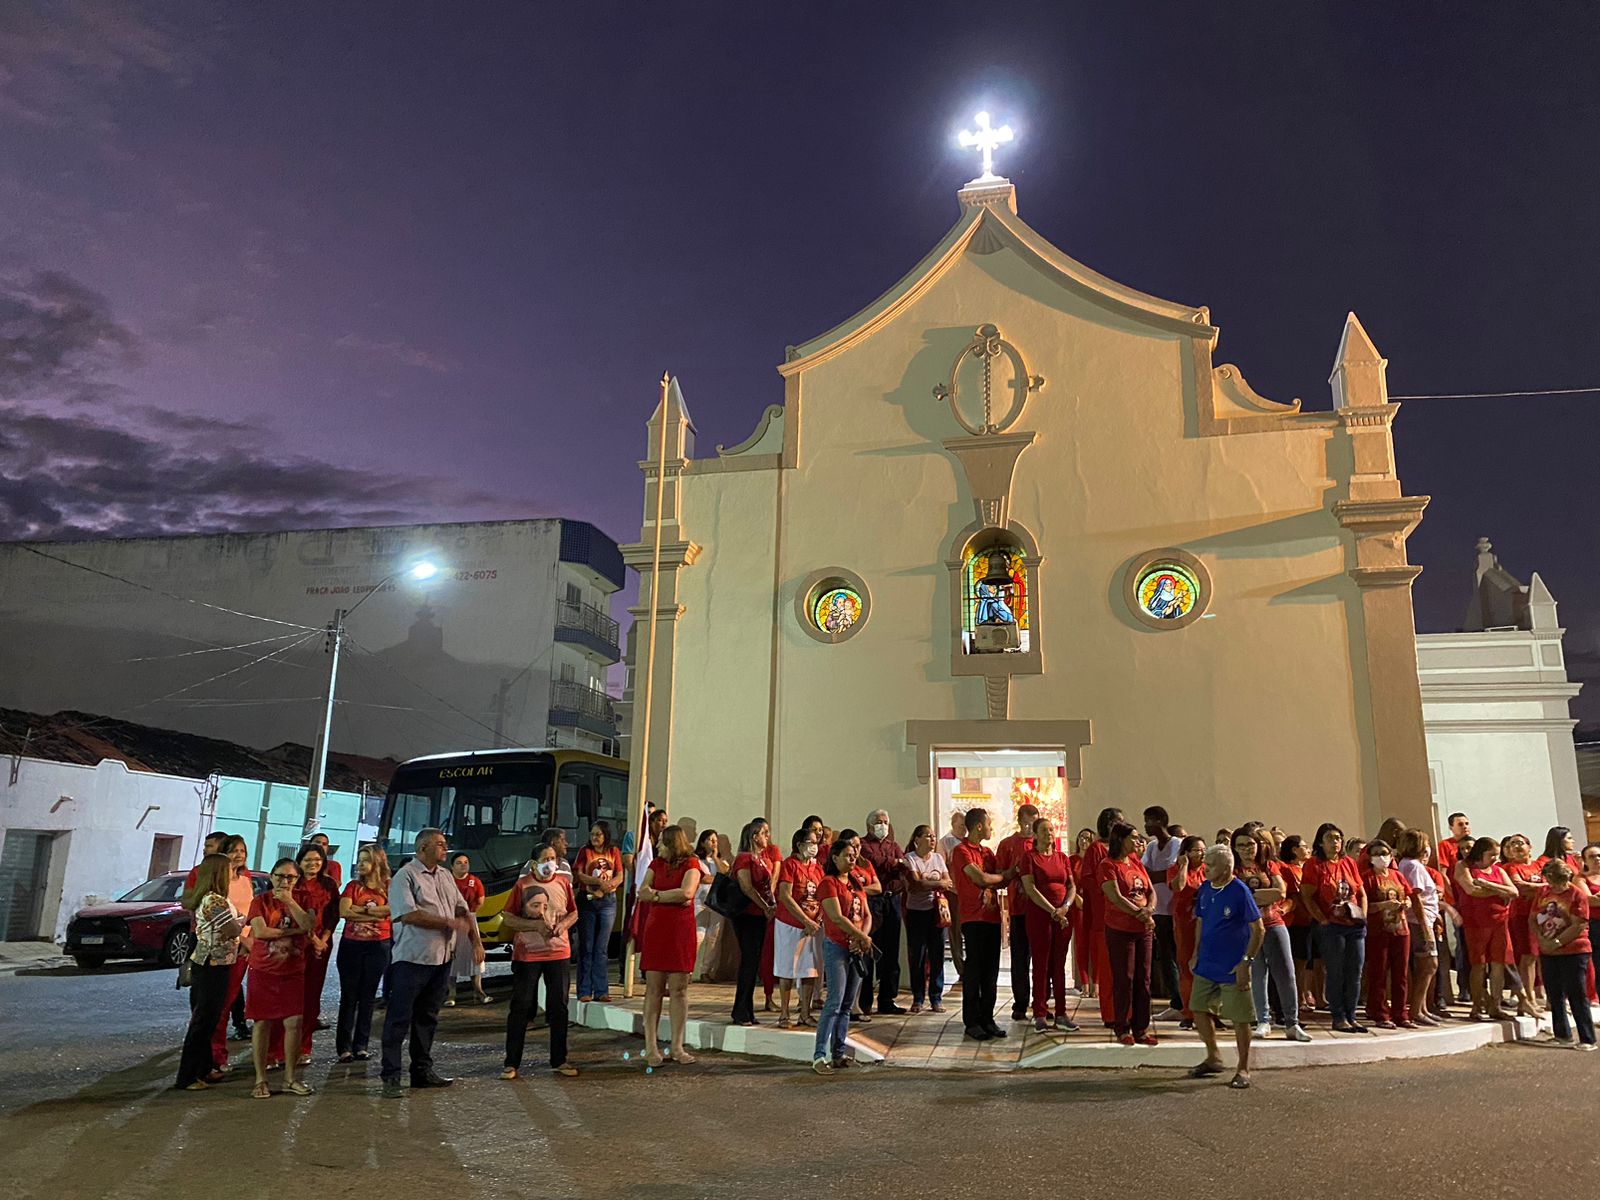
(1582, 391)
(278, 637)
(271, 654)
(67, 562)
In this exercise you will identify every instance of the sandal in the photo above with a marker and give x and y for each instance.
(677, 1056)
(1205, 1070)
(786, 1023)
(300, 1088)
(261, 1091)
(510, 1073)
(654, 1060)
(347, 1057)
(566, 1070)
(199, 1085)
(1239, 1082)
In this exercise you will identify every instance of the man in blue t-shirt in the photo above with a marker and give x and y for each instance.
(1228, 936)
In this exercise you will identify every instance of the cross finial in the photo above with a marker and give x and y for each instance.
(986, 139)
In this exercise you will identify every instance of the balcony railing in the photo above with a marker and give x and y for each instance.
(578, 704)
(586, 625)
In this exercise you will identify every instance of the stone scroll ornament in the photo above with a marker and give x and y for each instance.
(986, 346)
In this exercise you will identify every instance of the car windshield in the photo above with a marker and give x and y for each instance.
(161, 889)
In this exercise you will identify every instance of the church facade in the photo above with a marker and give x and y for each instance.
(1014, 520)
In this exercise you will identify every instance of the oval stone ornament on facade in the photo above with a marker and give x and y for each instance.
(1167, 589)
(832, 605)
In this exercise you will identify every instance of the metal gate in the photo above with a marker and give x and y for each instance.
(24, 868)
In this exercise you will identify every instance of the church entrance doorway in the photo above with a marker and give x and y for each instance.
(1001, 781)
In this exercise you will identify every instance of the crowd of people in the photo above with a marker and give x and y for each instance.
(1256, 929)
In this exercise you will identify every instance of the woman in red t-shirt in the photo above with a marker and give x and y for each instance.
(1129, 903)
(1048, 890)
(669, 943)
(363, 951)
(1559, 843)
(275, 996)
(1560, 925)
(1330, 889)
(1082, 959)
(751, 926)
(795, 950)
(845, 921)
(596, 876)
(1292, 855)
(1484, 893)
(773, 857)
(1184, 878)
(319, 896)
(1516, 857)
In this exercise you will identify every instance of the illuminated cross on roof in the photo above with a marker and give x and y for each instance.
(986, 140)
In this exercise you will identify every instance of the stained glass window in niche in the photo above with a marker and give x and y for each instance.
(995, 600)
(1167, 591)
(836, 608)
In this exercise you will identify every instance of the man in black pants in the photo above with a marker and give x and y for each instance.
(976, 877)
(1159, 855)
(888, 862)
(1008, 858)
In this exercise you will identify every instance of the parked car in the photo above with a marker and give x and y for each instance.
(148, 923)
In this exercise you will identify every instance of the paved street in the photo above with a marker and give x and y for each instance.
(85, 1111)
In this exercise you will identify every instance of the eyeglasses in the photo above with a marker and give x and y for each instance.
(290, 878)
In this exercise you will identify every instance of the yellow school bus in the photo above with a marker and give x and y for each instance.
(493, 805)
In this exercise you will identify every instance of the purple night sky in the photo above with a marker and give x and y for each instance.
(291, 264)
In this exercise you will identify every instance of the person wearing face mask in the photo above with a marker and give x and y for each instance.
(541, 913)
(1390, 905)
(794, 953)
(888, 862)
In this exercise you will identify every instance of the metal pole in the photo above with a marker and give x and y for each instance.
(649, 664)
(319, 756)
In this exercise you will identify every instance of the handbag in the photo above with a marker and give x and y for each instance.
(726, 897)
(941, 906)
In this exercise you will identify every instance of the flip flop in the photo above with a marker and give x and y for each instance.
(1238, 1083)
(261, 1092)
(683, 1057)
(509, 1073)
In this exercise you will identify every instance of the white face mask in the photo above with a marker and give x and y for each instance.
(1380, 862)
(880, 830)
(808, 851)
(545, 869)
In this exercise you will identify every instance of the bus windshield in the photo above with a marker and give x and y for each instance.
(493, 811)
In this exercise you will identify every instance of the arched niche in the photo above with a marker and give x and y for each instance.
(995, 610)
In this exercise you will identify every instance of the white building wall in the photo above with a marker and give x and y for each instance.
(105, 820)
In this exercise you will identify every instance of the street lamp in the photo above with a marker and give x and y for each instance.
(422, 571)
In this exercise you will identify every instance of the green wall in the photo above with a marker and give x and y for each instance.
(270, 815)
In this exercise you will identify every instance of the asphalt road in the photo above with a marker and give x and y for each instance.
(86, 1110)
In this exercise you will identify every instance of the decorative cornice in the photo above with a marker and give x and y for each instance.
(1355, 418)
(638, 555)
(1366, 517)
(773, 412)
(1400, 575)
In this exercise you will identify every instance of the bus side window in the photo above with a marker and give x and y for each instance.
(575, 803)
(613, 804)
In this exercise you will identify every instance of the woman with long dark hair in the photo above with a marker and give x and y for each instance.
(1184, 880)
(1559, 843)
(217, 926)
(845, 920)
(275, 996)
(1484, 893)
(316, 894)
(1331, 890)
(596, 875)
(669, 887)
(1129, 903)
(1292, 855)
(363, 951)
(754, 876)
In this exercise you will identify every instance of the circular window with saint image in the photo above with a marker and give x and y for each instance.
(1168, 589)
(832, 605)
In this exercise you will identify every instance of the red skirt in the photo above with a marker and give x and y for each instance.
(669, 939)
(275, 995)
(1489, 944)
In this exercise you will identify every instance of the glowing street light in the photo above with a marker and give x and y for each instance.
(424, 570)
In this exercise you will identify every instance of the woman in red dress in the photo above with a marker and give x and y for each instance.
(669, 943)
(1483, 897)
(1046, 879)
(275, 996)
(318, 895)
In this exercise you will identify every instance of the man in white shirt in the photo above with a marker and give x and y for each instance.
(429, 913)
(1159, 855)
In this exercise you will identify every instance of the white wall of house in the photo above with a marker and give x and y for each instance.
(105, 821)
(1495, 709)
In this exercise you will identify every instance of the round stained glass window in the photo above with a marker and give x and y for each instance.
(836, 609)
(1167, 589)
(1168, 592)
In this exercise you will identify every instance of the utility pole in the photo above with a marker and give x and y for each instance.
(331, 644)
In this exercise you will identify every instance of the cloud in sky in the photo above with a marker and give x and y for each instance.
(77, 460)
(396, 350)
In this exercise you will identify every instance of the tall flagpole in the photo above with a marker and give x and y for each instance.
(649, 668)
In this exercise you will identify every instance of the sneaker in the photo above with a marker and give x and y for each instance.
(1148, 1039)
(1126, 1040)
(1185, 1026)
(1066, 1024)
(1585, 1045)
(1297, 1033)
(821, 1066)
(1262, 1029)
(1169, 1014)
(1040, 1025)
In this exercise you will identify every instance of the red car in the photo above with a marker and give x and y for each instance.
(148, 923)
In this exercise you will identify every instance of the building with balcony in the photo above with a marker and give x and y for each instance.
(511, 640)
